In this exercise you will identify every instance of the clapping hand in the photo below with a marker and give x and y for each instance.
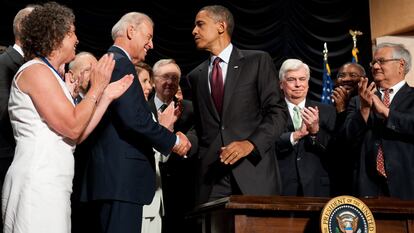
(168, 117)
(310, 117)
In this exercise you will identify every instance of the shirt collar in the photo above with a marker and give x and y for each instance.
(129, 57)
(301, 105)
(224, 55)
(158, 103)
(18, 49)
(394, 88)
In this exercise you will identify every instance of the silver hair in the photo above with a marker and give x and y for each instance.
(134, 18)
(18, 19)
(164, 62)
(75, 61)
(292, 65)
(399, 52)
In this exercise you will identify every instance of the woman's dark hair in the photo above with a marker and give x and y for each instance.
(44, 29)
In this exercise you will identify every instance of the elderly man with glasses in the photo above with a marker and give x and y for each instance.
(381, 118)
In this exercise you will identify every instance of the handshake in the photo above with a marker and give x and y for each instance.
(183, 147)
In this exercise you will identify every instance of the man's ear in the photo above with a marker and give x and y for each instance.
(222, 27)
(130, 32)
(69, 76)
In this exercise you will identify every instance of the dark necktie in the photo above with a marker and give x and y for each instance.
(380, 155)
(163, 107)
(216, 84)
(77, 99)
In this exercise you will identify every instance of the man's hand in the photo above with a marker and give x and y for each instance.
(302, 132)
(72, 84)
(184, 146)
(341, 98)
(366, 93)
(310, 117)
(168, 117)
(380, 107)
(231, 153)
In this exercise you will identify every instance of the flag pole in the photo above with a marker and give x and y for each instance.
(355, 51)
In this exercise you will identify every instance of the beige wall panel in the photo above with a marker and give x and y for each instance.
(390, 17)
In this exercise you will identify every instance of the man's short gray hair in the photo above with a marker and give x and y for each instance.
(399, 52)
(292, 65)
(134, 18)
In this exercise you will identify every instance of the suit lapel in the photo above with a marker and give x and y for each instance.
(233, 72)
(153, 108)
(15, 56)
(399, 96)
(205, 90)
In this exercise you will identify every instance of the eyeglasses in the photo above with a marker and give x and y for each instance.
(382, 61)
(350, 74)
(173, 77)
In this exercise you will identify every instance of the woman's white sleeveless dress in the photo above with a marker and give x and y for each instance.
(38, 184)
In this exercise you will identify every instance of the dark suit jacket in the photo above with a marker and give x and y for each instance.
(179, 175)
(306, 164)
(10, 62)
(396, 135)
(120, 167)
(252, 109)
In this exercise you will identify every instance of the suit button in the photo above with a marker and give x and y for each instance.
(298, 158)
(222, 127)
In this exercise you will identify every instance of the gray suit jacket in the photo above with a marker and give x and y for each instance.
(10, 61)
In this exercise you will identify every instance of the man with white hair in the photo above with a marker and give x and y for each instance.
(120, 175)
(77, 76)
(301, 149)
(381, 119)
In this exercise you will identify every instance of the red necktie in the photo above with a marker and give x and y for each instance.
(380, 155)
(216, 84)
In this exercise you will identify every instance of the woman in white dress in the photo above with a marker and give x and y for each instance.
(47, 125)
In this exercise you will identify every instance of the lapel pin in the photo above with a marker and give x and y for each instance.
(236, 67)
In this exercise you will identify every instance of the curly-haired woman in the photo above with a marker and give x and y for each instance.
(47, 125)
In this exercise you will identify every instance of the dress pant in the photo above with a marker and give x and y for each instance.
(120, 216)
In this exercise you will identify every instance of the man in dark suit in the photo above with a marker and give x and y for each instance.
(301, 149)
(238, 112)
(120, 175)
(343, 174)
(10, 62)
(382, 118)
(178, 174)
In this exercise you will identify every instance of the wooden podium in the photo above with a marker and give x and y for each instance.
(273, 214)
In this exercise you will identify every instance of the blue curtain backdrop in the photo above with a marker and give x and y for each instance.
(284, 28)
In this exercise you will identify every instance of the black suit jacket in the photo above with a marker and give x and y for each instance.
(252, 109)
(120, 167)
(10, 62)
(306, 165)
(396, 134)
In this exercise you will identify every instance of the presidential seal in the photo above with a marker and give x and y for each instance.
(347, 214)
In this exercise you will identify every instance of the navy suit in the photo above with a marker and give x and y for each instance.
(396, 134)
(304, 167)
(252, 109)
(121, 167)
